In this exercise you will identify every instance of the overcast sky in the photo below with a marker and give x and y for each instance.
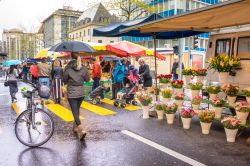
(29, 13)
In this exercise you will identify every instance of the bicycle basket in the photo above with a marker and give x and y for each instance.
(44, 92)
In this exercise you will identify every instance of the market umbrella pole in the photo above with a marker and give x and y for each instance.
(154, 37)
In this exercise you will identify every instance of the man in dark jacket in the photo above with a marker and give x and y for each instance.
(74, 76)
(126, 64)
(144, 72)
(174, 70)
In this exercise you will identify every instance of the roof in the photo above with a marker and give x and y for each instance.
(225, 14)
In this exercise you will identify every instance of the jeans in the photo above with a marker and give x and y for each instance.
(75, 104)
(96, 83)
(175, 76)
(25, 77)
(117, 87)
(13, 89)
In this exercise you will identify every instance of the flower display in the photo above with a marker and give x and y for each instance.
(158, 106)
(187, 113)
(206, 116)
(231, 90)
(196, 86)
(213, 89)
(199, 72)
(197, 100)
(242, 106)
(224, 63)
(167, 93)
(217, 102)
(170, 108)
(164, 79)
(187, 72)
(179, 96)
(154, 90)
(145, 99)
(246, 92)
(177, 84)
(231, 122)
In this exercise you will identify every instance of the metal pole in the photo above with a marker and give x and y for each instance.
(189, 51)
(154, 37)
(180, 60)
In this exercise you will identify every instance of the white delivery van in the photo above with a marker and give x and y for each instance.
(234, 42)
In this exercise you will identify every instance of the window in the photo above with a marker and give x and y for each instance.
(88, 32)
(84, 33)
(80, 34)
(99, 41)
(244, 47)
(193, 5)
(171, 4)
(188, 5)
(73, 36)
(76, 35)
(223, 46)
(150, 44)
(111, 41)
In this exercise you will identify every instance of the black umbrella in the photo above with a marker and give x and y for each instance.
(72, 46)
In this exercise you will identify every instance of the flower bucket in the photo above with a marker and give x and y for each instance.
(218, 111)
(187, 79)
(200, 78)
(242, 116)
(164, 85)
(195, 107)
(212, 96)
(170, 118)
(248, 99)
(145, 112)
(205, 127)
(231, 134)
(166, 100)
(178, 90)
(186, 122)
(231, 100)
(179, 102)
(223, 77)
(195, 93)
(160, 114)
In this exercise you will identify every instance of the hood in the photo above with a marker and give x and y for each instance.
(72, 65)
(119, 62)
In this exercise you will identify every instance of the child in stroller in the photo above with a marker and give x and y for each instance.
(97, 94)
(127, 94)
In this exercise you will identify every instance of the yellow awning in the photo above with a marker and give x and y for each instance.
(97, 46)
(42, 54)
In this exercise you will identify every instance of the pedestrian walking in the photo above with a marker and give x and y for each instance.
(12, 76)
(144, 73)
(174, 70)
(126, 64)
(118, 76)
(96, 73)
(57, 76)
(74, 77)
(25, 72)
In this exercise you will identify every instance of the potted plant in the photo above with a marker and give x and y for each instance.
(196, 101)
(231, 92)
(159, 110)
(177, 85)
(166, 94)
(206, 117)
(186, 117)
(179, 98)
(242, 110)
(195, 88)
(231, 125)
(154, 91)
(145, 100)
(170, 110)
(187, 73)
(218, 105)
(213, 90)
(246, 92)
(164, 79)
(200, 74)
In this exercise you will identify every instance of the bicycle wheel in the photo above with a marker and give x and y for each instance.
(33, 137)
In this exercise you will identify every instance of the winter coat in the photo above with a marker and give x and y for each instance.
(144, 72)
(74, 79)
(12, 76)
(118, 72)
(57, 73)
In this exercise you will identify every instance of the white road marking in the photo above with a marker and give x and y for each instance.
(163, 149)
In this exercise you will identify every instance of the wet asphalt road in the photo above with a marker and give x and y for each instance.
(105, 145)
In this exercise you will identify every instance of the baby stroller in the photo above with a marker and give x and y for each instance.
(97, 94)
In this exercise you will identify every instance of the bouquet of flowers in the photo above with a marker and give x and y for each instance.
(231, 122)
(197, 100)
(213, 89)
(159, 106)
(200, 72)
(178, 84)
(231, 90)
(187, 113)
(196, 86)
(242, 106)
(187, 72)
(170, 108)
(167, 93)
(246, 92)
(154, 90)
(164, 79)
(206, 116)
(217, 102)
(224, 63)
(179, 96)
(145, 99)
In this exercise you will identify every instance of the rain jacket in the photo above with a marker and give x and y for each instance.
(74, 79)
(118, 72)
(34, 70)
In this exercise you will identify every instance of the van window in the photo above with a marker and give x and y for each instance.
(223, 46)
(244, 47)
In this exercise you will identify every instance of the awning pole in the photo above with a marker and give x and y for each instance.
(180, 59)
(154, 37)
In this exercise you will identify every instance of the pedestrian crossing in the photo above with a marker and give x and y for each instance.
(128, 107)
(96, 109)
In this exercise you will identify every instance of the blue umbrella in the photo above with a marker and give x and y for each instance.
(111, 58)
(72, 46)
(11, 62)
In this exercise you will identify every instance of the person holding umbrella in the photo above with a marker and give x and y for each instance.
(12, 76)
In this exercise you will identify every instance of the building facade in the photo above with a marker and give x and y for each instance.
(91, 18)
(56, 27)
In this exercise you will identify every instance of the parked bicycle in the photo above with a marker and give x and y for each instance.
(34, 127)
